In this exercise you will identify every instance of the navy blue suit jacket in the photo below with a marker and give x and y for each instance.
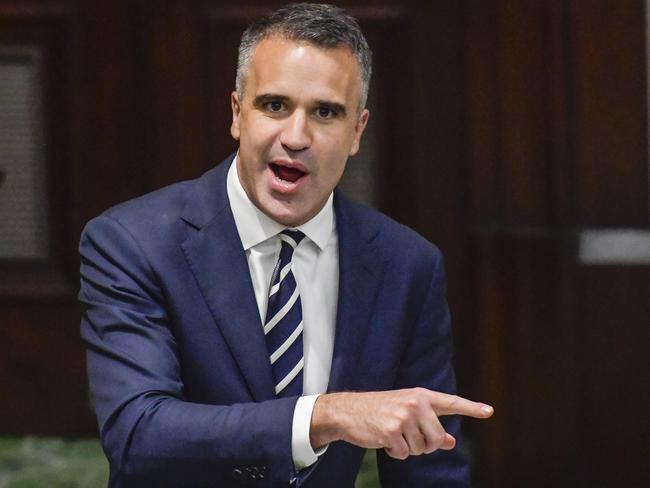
(177, 362)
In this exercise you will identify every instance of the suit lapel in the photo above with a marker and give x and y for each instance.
(360, 272)
(218, 261)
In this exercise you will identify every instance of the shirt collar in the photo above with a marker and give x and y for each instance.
(254, 226)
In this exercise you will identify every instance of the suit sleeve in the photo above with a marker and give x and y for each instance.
(427, 362)
(151, 434)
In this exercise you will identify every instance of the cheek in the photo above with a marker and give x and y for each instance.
(338, 149)
(335, 168)
(258, 132)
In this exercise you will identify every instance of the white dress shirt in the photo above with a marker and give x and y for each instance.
(316, 269)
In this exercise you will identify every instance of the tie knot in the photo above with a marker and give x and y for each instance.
(291, 237)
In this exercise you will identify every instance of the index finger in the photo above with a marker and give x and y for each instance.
(445, 404)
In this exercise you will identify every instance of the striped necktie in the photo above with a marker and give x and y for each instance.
(283, 325)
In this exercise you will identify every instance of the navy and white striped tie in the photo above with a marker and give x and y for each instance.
(283, 325)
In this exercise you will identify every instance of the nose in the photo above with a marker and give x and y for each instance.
(296, 133)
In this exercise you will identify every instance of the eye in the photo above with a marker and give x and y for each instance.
(326, 113)
(274, 106)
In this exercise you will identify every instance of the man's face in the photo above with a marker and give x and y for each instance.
(297, 125)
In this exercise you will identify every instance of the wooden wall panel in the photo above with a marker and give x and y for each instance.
(524, 169)
(42, 378)
(42, 369)
(172, 70)
(525, 340)
(483, 113)
(518, 114)
(106, 113)
(557, 120)
(608, 57)
(613, 374)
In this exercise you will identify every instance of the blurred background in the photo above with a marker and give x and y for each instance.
(512, 133)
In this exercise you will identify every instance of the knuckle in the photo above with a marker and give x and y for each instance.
(438, 439)
(394, 429)
(412, 402)
(434, 441)
(412, 406)
(402, 416)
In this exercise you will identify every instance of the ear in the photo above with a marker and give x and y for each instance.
(236, 113)
(358, 131)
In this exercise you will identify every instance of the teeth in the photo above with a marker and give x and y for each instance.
(276, 172)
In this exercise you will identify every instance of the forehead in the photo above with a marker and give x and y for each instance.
(297, 69)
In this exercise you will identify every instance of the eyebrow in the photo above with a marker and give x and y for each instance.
(268, 97)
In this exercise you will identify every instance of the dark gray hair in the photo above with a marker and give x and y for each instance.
(321, 25)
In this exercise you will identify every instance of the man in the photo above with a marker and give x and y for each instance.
(217, 310)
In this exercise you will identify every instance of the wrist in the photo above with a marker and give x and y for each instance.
(326, 426)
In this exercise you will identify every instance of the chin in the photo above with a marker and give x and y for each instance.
(289, 220)
(281, 215)
(291, 214)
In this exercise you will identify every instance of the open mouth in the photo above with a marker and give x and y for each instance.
(287, 174)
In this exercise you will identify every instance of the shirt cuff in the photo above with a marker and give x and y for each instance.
(301, 450)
